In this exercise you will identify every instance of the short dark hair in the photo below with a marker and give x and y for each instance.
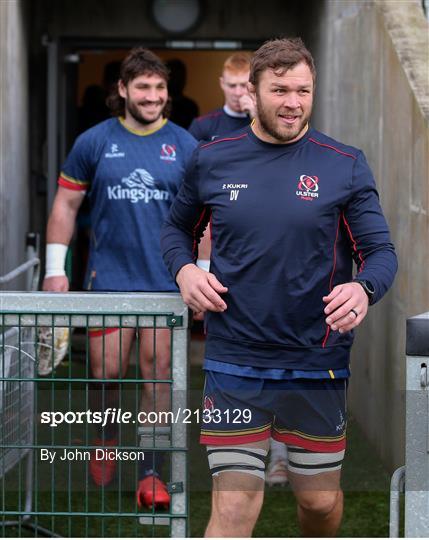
(139, 61)
(280, 55)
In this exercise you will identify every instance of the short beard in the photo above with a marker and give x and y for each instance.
(138, 117)
(270, 128)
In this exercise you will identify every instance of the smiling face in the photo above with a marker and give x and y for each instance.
(284, 102)
(234, 86)
(145, 99)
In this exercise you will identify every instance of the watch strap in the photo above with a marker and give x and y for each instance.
(367, 287)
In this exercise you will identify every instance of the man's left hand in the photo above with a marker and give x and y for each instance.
(347, 306)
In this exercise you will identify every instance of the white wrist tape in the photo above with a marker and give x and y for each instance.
(55, 259)
(204, 264)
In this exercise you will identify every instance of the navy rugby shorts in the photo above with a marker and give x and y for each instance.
(307, 414)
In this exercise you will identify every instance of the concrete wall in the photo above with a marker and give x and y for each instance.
(14, 126)
(372, 93)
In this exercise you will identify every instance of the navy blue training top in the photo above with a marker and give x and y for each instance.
(132, 178)
(215, 124)
(287, 221)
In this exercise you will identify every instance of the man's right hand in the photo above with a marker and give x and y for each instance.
(56, 284)
(247, 105)
(200, 289)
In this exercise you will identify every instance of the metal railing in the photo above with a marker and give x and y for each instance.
(65, 500)
(413, 478)
(16, 421)
(31, 267)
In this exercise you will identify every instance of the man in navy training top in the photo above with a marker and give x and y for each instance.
(238, 109)
(132, 166)
(237, 113)
(291, 209)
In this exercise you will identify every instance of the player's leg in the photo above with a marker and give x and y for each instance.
(238, 489)
(311, 420)
(155, 352)
(109, 355)
(320, 501)
(235, 428)
(277, 464)
(155, 364)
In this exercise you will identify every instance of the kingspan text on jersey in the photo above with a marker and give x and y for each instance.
(136, 194)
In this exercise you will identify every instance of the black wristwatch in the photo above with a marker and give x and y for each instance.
(367, 287)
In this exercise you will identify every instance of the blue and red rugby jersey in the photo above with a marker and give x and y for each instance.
(132, 178)
(215, 124)
(287, 222)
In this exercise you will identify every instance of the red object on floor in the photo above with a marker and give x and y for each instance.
(151, 491)
(102, 470)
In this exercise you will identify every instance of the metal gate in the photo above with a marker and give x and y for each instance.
(413, 478)
(65, 500)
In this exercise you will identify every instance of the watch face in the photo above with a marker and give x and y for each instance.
(176, 16)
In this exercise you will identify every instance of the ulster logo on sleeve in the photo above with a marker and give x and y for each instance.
(308, 187)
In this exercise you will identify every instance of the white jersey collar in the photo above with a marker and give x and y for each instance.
(230, 112)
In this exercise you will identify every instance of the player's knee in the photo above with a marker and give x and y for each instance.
(160, 367)
(320, 503)
(105, 372)
(97, 372)
(163, 367)
(234, 508)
